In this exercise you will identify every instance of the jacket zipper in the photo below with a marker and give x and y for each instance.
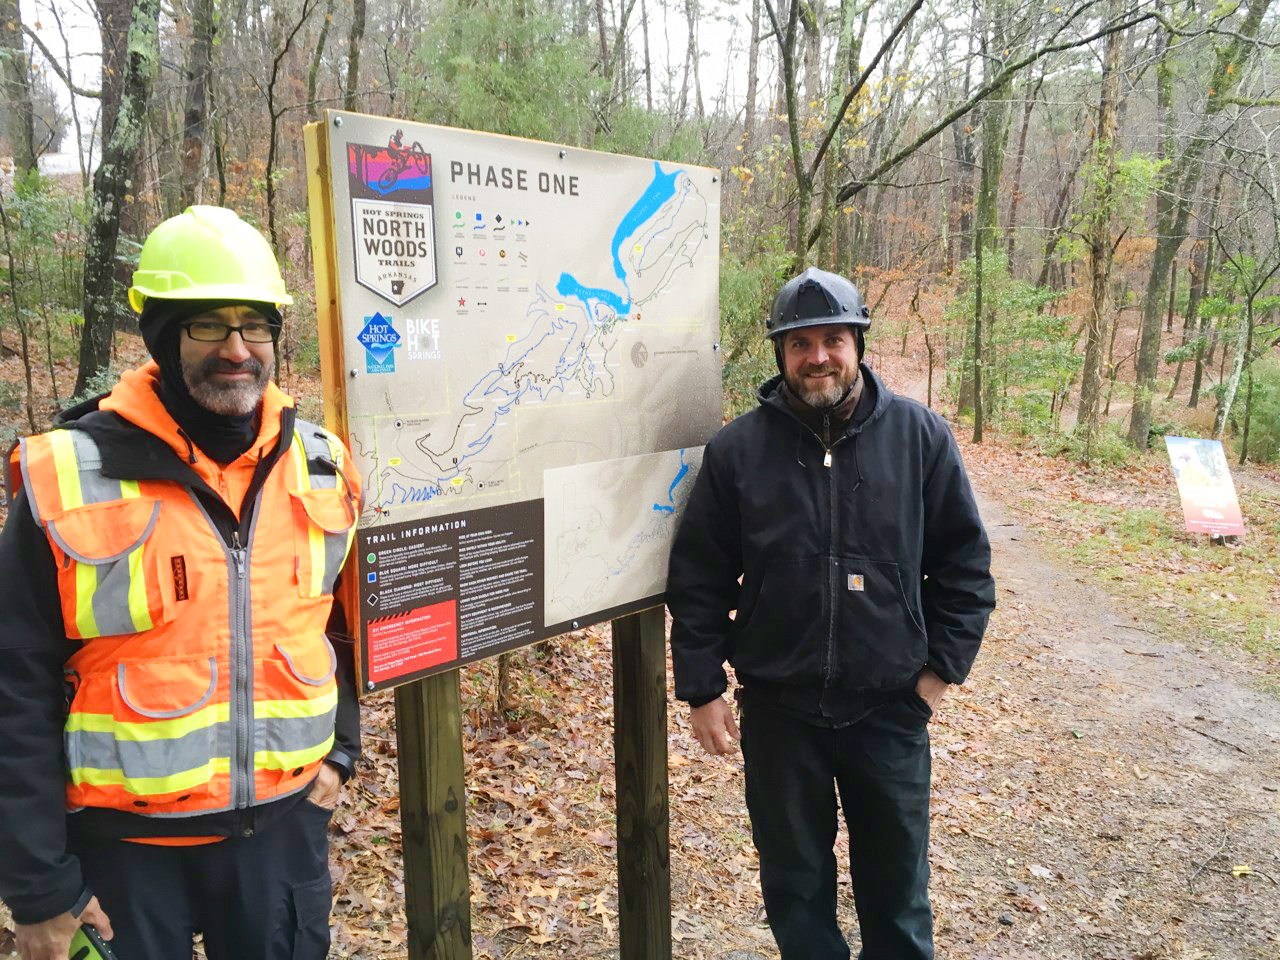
(241, 665)
(833, 578)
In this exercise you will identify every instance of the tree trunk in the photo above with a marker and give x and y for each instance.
(317, 57)
(354, 39)
(15, 75)
(110, 183)
(1088, 419)
(193, 124)
(604, 40)
(1016, 193)
(1173, 198)
(1057, 222)
(753, 78)
(995, 132)
(648, 63)
(1207, 266)
(1244, 343)
(115, 19)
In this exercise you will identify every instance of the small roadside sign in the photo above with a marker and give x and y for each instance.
(1209, 501)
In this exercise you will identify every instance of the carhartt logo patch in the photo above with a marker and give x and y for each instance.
(179, 565)
(856, 583)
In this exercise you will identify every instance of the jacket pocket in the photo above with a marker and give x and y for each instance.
(156, 732)
(782, 622)
(296, 701)
(324, 526)
(881, 636)
(108, 572)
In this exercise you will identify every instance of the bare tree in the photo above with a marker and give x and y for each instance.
(193, 124)
(111, 182)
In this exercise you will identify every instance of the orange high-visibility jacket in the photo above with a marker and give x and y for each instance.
(204, 681)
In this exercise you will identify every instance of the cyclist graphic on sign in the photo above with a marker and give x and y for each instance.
(401, 158)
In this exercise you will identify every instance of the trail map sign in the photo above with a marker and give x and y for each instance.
(1209, 501)
(524, 355)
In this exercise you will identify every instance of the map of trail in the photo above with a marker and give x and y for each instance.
(609, 527)
(548, 390)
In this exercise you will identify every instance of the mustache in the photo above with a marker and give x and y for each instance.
(212, 365)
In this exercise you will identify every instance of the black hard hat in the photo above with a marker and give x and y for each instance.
(813, 299)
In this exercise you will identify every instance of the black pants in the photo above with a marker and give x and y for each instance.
(264, 897)
(881, 767)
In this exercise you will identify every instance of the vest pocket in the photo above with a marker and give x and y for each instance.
(297, 700)
(153, 735)
(324, 526)
(108, 579)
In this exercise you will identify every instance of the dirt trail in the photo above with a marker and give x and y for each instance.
(1125, 776)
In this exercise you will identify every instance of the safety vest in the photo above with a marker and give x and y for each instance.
(204, 680)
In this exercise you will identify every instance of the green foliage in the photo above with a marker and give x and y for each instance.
(11, 394)
(752, 267)
(1264, 420)
(1111, 447)
(47, 239)
(1122, 198)
(100, 383)
(505, 66)
(1186, 351)
(1029, 351)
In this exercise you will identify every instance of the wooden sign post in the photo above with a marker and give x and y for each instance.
(640, 765)
(433, 801)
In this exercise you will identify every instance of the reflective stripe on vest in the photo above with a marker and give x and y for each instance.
(111, 594)
(328, 548)
(154, 726)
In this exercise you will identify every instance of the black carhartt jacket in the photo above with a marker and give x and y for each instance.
(860, 563)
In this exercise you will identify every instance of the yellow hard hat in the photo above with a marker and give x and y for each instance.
(207, 253)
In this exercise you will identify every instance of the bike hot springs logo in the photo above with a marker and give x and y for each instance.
(393, 218)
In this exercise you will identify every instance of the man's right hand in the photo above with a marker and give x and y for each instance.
(51, 939)
(714, 726)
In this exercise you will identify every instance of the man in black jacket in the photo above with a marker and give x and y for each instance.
(831, 552)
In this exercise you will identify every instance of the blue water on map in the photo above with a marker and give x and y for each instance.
(573, 361)
(570, 287)
(670, 505)
(661, 189)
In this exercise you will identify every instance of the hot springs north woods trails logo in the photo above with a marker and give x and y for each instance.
(392, 218)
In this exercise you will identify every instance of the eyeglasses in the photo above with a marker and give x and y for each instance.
(210, 331)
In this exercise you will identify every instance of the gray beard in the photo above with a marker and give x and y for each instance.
(235, 399)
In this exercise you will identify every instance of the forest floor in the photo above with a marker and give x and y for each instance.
(1106, 785)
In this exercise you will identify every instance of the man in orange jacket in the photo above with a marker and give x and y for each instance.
(177, 707)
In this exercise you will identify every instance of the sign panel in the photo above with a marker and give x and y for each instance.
(529, 367)
(1204, 482)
